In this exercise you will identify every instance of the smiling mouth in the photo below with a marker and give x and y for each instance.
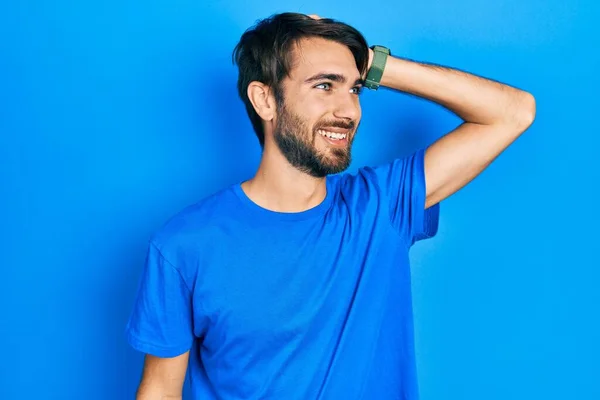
(333, 135)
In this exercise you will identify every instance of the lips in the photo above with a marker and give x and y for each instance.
(337, 133)
(336, 129)
(333, 138)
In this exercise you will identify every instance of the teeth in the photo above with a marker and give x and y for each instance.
(331, 135)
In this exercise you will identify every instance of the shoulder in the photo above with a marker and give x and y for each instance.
(373, 184)
(382, 175)
(188, 231)
(357, 190)
(364, 181)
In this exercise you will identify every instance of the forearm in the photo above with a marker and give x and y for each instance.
(474, 99)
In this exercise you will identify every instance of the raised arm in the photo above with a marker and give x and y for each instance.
(495, 115)
(163, 378)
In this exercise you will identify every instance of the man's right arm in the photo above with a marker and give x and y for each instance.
(162, 378)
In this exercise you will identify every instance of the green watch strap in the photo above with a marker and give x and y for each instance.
(380, 55)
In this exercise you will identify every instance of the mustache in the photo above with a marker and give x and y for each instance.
(337, 124)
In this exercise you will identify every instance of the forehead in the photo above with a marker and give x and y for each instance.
(316, 55)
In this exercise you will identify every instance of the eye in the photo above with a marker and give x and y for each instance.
(357, 89)
(324, 85)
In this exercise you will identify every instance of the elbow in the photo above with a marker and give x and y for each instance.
(527, 109)
(519, 113)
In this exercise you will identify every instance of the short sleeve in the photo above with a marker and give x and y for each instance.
(403, 185)
(161, 320)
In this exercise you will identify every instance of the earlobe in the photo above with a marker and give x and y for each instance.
(262, 100)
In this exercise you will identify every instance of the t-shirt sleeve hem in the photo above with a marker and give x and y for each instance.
(155, 350)
(431, 218)
(428, 216)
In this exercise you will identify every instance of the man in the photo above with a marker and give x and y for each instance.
(295, 284)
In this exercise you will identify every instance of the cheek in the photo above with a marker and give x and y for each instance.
(310, 114)
(318, 109)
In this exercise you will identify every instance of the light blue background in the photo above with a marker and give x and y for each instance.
(116, 114)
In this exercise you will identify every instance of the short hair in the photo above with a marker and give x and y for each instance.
(264, 53)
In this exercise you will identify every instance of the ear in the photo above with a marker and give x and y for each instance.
(263, 100)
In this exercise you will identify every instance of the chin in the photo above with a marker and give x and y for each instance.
(335, 168)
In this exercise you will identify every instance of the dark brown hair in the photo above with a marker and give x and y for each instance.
(264, 53)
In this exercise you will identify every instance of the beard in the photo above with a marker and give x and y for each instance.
(296, 141)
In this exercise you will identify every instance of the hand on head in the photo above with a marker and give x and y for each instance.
(315, 16)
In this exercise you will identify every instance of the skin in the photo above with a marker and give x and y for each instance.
(494, 116)
(297, 140)
(163, 378)
(278, 185)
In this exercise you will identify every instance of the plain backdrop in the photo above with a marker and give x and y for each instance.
(116, 114)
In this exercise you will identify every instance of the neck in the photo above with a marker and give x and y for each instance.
(280, 187)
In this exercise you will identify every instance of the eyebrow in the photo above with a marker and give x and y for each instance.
(331, 77)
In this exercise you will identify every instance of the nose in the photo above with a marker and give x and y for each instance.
(347, 107)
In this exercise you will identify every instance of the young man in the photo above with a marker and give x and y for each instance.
(295, 284)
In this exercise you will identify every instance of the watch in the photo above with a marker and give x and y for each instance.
(380, 55)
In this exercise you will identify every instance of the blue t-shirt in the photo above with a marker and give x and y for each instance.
(307, 305)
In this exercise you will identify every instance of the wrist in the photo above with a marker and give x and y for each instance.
(378, 56)
(370, 59)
